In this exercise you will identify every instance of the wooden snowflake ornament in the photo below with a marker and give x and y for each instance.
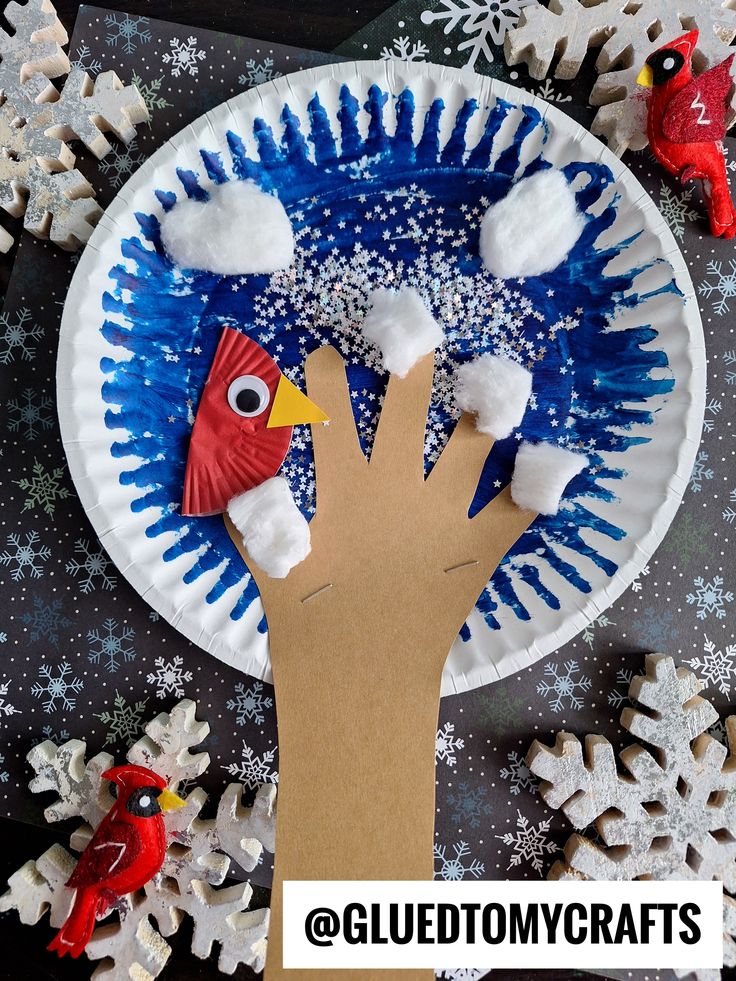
(627, 35)
(672, 815)
(130, 942)
(37, 175)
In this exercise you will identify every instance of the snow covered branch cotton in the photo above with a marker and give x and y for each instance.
(496, 390)
(401, 326)
(240, 229)
(541, 473)
(532, 230)
(275, 532)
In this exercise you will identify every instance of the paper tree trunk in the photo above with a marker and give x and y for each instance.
(359, 634)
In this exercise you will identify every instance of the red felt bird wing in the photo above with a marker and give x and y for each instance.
(697, 114)
(113, 849)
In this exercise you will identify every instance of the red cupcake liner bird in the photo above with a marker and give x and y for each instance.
(125, 852)
(243, 426)
(687, 122)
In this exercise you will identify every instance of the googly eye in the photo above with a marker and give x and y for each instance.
(248, 395)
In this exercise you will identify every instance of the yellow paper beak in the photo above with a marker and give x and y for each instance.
(292, 407)
(169, 801)
(645, 77)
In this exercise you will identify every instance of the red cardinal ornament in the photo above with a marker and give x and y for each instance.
(125, 852)
(243, 425)
(687, 123)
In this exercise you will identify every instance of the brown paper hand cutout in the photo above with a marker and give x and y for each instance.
(359, 634)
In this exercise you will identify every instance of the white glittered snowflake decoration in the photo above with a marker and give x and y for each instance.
(38, 179)
(130, 941)
(671, 814)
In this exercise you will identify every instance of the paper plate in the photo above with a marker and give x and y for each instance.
(385, 170)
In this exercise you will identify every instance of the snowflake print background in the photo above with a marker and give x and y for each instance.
(484, 22)
(709, 598)
(57, 687)
(457, 864)
(170, 677)
(253, 769)
(30, 414)
(528, 843)
(111, 645)
(490, 721)
(250, 703)
(720, 285)
(25, 557)
(184, 56)
(18, 336)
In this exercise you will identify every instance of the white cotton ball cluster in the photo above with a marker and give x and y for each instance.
(541, 473)
(401, 326)
(532, 230)
(496, 390)
(275, 532)
(239, 230)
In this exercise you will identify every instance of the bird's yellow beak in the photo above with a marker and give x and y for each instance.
(645, 77)
(169, 801)
(292, 407)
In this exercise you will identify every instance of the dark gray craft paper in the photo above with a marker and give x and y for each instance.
(59, 634)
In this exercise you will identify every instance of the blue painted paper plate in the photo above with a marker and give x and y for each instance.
(385, 170)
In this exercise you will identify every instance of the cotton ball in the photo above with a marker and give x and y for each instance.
(541, 473)
(402, 327)
(275, 532)
(240, 229)
(496, 390)
(532, 230)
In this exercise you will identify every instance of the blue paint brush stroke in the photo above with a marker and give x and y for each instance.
(329, 181)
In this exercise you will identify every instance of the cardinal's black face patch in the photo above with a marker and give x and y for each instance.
(143, 802)
(665, 65)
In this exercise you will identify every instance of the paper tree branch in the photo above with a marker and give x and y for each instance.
(359, 634)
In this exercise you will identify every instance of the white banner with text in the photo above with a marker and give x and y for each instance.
(568, 924)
